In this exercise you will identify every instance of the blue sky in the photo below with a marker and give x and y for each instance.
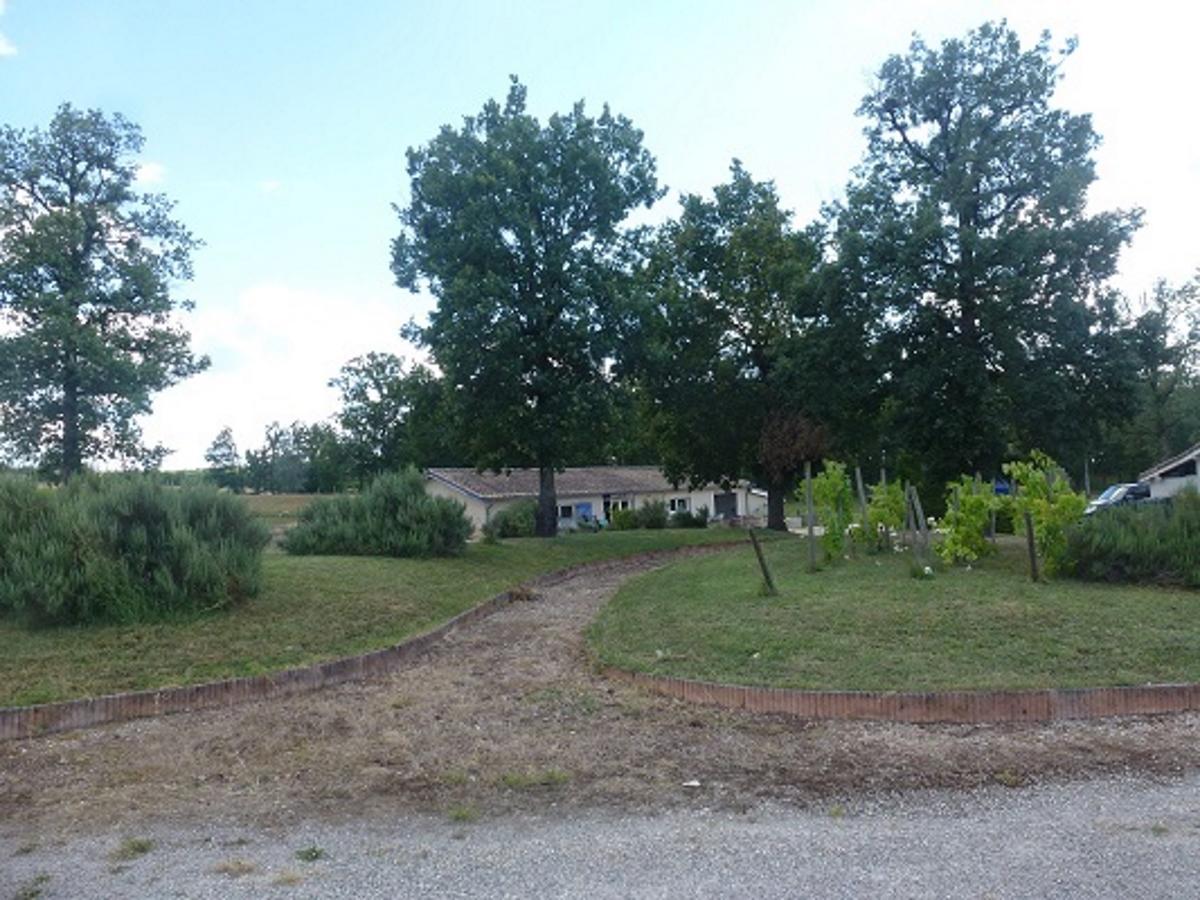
(280, 130)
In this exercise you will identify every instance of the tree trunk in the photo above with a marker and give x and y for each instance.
(776, 494)
(546, 524)
(72, 449)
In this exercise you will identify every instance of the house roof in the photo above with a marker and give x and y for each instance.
(581, 481)
(1193, 451)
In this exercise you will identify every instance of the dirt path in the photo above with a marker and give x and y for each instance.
(508, 714)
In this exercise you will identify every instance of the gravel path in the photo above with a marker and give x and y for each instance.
(506, 730)
(1109, 838)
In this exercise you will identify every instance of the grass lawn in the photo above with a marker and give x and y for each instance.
(311, 608)
(869, 625)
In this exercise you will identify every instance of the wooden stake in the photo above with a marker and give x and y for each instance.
(1029, 539)
(862, 497)
(812, 539)
(762, 564)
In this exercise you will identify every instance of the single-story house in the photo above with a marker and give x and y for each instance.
(1173, 475)
(588, 493)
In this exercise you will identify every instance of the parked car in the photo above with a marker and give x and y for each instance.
(1119, 495)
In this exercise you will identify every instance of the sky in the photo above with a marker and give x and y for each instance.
(279, 128)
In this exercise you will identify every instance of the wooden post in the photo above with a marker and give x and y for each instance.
(908, 515)
(862, 508)
(1029, 539)
(812, 539)
(762, 564)
(1087, 478)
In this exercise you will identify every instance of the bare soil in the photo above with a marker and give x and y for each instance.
(510, 714)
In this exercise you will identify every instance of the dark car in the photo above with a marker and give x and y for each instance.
(1119, 495)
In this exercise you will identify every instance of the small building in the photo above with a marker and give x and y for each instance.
(589, 493)
(1173, 475)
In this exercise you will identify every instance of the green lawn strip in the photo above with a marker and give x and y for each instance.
(869, 625)
(310, 609)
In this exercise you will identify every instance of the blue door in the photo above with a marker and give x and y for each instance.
(583, 512)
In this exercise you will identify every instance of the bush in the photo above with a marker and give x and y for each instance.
(624, 519)
(1156, 543)
(123, 549)
(969, 505)
(517, 520)
(392, 517)
(885, 511)
(834, 501)
(652, 515)
(685, 519)
(1043, 490)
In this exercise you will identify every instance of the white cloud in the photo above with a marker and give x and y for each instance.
(7, 47)
(151, 173)
(269, 186)
(274, 350)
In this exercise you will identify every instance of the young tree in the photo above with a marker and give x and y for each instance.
(86, 266)
(968, 223)
(727, 329)
(224, 461)
(515, 226)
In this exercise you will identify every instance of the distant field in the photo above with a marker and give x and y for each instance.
(311, 608)
(278, 508)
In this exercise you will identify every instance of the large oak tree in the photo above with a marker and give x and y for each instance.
(86, 268)
(517, 229)
(968, 228)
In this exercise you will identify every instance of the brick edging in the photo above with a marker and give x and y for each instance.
(963, 707)
(47, 718)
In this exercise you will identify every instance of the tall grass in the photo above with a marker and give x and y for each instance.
(392, 517)
(122, 549)
(1155, 543)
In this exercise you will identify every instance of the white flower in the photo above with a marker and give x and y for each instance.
(928, 571)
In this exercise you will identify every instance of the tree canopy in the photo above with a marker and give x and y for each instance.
(86, 269)
(967, 228)
(517, 229)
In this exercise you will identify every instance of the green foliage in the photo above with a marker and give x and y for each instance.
(86, 313)
(1155, 543)
(833, 498)
(685, 519)
(516, 227)
(652, 515)
(624, 519)
(224, 461)
(885, 509)
(512, 521)
(969, 507)
(969, 233)
(1045, 492)
(392, 517)
(123, 549)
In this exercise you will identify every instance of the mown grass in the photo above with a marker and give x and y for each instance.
(278, 509)
(310, 608)
(869, 625)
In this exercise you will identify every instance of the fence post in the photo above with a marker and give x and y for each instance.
(1033, 560)
(812, 539)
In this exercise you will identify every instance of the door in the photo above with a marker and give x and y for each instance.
(725, 505)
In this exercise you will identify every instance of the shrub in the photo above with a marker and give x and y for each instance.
(834, 501)
(1044, 491)
(652, 515)
(392, 517)
(685, 519)
(885, 511)
(624, 519)
(123, 549)
(517, 520)
(1156, 543)
(969, 506)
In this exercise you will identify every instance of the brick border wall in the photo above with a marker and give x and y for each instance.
(964, 707)
(31, 721)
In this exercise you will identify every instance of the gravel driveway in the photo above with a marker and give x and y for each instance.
(1112, 837)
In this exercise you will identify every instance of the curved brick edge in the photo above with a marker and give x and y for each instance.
(47, 718)
(962, 707)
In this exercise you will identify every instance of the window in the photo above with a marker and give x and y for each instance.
(678, 504)
(566, 512)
